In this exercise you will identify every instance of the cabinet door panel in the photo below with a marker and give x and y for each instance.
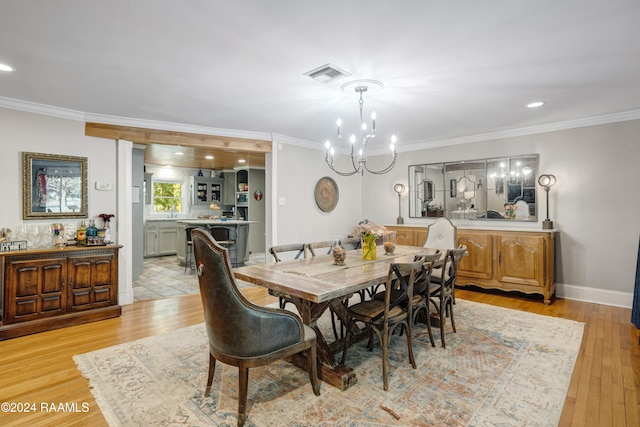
(520, 260)
(151, 241)
(52, 278)
(405, 237)
(102, 273)
(167, 238)
(26, 281)
(479, 262)
(421, 237)
(27, 307)
(80, 275)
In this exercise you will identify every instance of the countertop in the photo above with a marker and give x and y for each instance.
(499, 226)
(214, 221)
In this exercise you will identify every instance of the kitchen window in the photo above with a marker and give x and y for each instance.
(167, 196)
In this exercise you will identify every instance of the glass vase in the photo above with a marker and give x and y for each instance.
(389, 242)
(368, 248)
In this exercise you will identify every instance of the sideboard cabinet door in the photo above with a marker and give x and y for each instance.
(35, 289)
(92, 282)
(521, 260)
(478, 264)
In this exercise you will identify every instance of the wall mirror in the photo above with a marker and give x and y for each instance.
(484, 189)
(53, 186)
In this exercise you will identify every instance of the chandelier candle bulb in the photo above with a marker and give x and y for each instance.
(373, 123)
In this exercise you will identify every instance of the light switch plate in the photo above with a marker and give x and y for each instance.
(282, 201)
(103, 186)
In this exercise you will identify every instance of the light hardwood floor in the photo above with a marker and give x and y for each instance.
(604, 390)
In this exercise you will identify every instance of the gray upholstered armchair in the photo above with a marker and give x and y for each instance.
(240, 333)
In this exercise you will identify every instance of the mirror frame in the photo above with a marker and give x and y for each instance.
(31, 163)
(445, 188)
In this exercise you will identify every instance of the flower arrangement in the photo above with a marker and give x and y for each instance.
(369, 231)
(106, 218)
(510, 210)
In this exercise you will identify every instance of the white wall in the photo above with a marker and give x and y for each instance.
(594, 204)
(21, 131)
(297, 170)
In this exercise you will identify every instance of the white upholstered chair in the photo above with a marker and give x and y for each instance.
(441, 235)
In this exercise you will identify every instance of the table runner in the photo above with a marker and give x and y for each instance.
(353, 259)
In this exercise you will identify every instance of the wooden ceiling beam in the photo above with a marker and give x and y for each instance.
(154, 136)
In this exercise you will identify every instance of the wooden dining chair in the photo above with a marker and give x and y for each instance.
(383, 317)
(323, 247)
(289, 251)
(420, 299)
(256, 335)
(441, 292)
(421, 291)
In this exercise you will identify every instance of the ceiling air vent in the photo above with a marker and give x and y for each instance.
(327, 73)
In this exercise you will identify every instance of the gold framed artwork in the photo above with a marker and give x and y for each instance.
(54, 186)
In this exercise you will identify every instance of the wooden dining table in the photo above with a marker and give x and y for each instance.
(315, 284)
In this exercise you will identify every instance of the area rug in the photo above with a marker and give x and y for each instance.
(502, 368)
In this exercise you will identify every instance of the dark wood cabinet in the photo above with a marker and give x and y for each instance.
(49, 289)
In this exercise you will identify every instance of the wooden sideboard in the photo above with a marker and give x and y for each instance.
(44, 289)
(499, 259)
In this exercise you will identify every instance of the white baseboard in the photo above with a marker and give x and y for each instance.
(595, 295)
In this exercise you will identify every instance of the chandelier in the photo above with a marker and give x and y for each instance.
(359, 162)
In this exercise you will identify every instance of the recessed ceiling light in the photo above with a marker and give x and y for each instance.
(208, 157)
(179, 153)
(5, 67)
(535, 104)
(242, 161)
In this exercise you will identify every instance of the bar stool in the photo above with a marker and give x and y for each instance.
(226, 237)
(189, 261)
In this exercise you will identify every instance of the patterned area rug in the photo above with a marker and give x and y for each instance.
(502, 368)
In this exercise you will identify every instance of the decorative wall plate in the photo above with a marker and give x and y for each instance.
(326, 193)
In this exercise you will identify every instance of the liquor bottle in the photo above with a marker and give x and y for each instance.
(91, 232)
(82, 234)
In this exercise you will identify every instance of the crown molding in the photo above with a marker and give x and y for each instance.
(551, 127)
(48, 110)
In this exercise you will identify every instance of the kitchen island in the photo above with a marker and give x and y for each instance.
(241, 228)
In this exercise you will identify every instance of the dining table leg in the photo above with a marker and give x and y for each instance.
(329, 369)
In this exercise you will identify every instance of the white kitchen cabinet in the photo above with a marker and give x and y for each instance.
(160, 238)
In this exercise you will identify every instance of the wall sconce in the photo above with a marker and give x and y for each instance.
(547, 181)
(399, 188)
